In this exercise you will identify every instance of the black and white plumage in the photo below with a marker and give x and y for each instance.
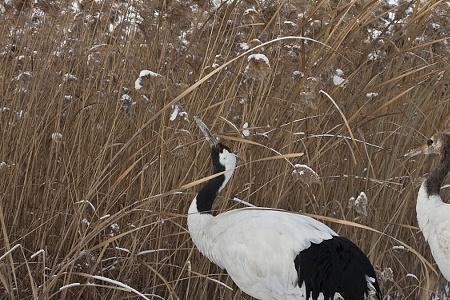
(273, 254)
(433, 215)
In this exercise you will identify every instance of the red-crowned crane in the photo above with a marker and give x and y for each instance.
(273, 254)
(433, 215)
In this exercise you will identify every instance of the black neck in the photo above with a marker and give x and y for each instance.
(207, 195)
(437, 176)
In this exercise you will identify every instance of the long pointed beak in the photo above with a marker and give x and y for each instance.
(211, 138)
(422, 149)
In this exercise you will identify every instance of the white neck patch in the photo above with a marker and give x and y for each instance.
(228, 160)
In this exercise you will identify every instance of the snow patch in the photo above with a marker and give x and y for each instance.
(245, 131)
(374, 33)
(306, 174)
(178, 112)
(115, 227)
(392, 2)
(374, 55)
(144, 74)
(298, 74)
(244, 46)
(338, 80)
(435, 25)
(258, 56)
(57, 137)
(69, 77)
(359, 203)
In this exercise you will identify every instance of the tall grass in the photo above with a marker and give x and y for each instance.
(92, 171)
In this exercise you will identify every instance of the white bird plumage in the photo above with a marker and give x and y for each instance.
(256, 235)
(263, 249)
(433, 215)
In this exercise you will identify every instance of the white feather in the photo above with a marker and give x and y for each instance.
(433, 216)
(243, 241)
(228, 160)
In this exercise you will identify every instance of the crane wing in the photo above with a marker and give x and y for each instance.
(258, 247)
(444, 241)
(274, 254)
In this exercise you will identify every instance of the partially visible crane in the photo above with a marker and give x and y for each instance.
(433, 215)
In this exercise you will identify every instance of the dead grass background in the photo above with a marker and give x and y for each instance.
(103, 199)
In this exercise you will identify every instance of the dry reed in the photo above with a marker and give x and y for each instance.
(94, 173)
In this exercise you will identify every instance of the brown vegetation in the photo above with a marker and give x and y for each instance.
(92, 170)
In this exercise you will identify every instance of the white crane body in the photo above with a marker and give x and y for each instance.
(239, 240)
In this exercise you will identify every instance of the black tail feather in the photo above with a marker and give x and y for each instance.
(336, 266)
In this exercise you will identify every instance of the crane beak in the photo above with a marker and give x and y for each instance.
(422, 149)
(211, 138)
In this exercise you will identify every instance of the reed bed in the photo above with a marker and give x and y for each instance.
(99, 161)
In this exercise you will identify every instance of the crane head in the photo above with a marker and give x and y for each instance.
(437, 144)
(222, 156)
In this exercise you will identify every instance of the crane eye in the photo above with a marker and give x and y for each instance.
(430, 142)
